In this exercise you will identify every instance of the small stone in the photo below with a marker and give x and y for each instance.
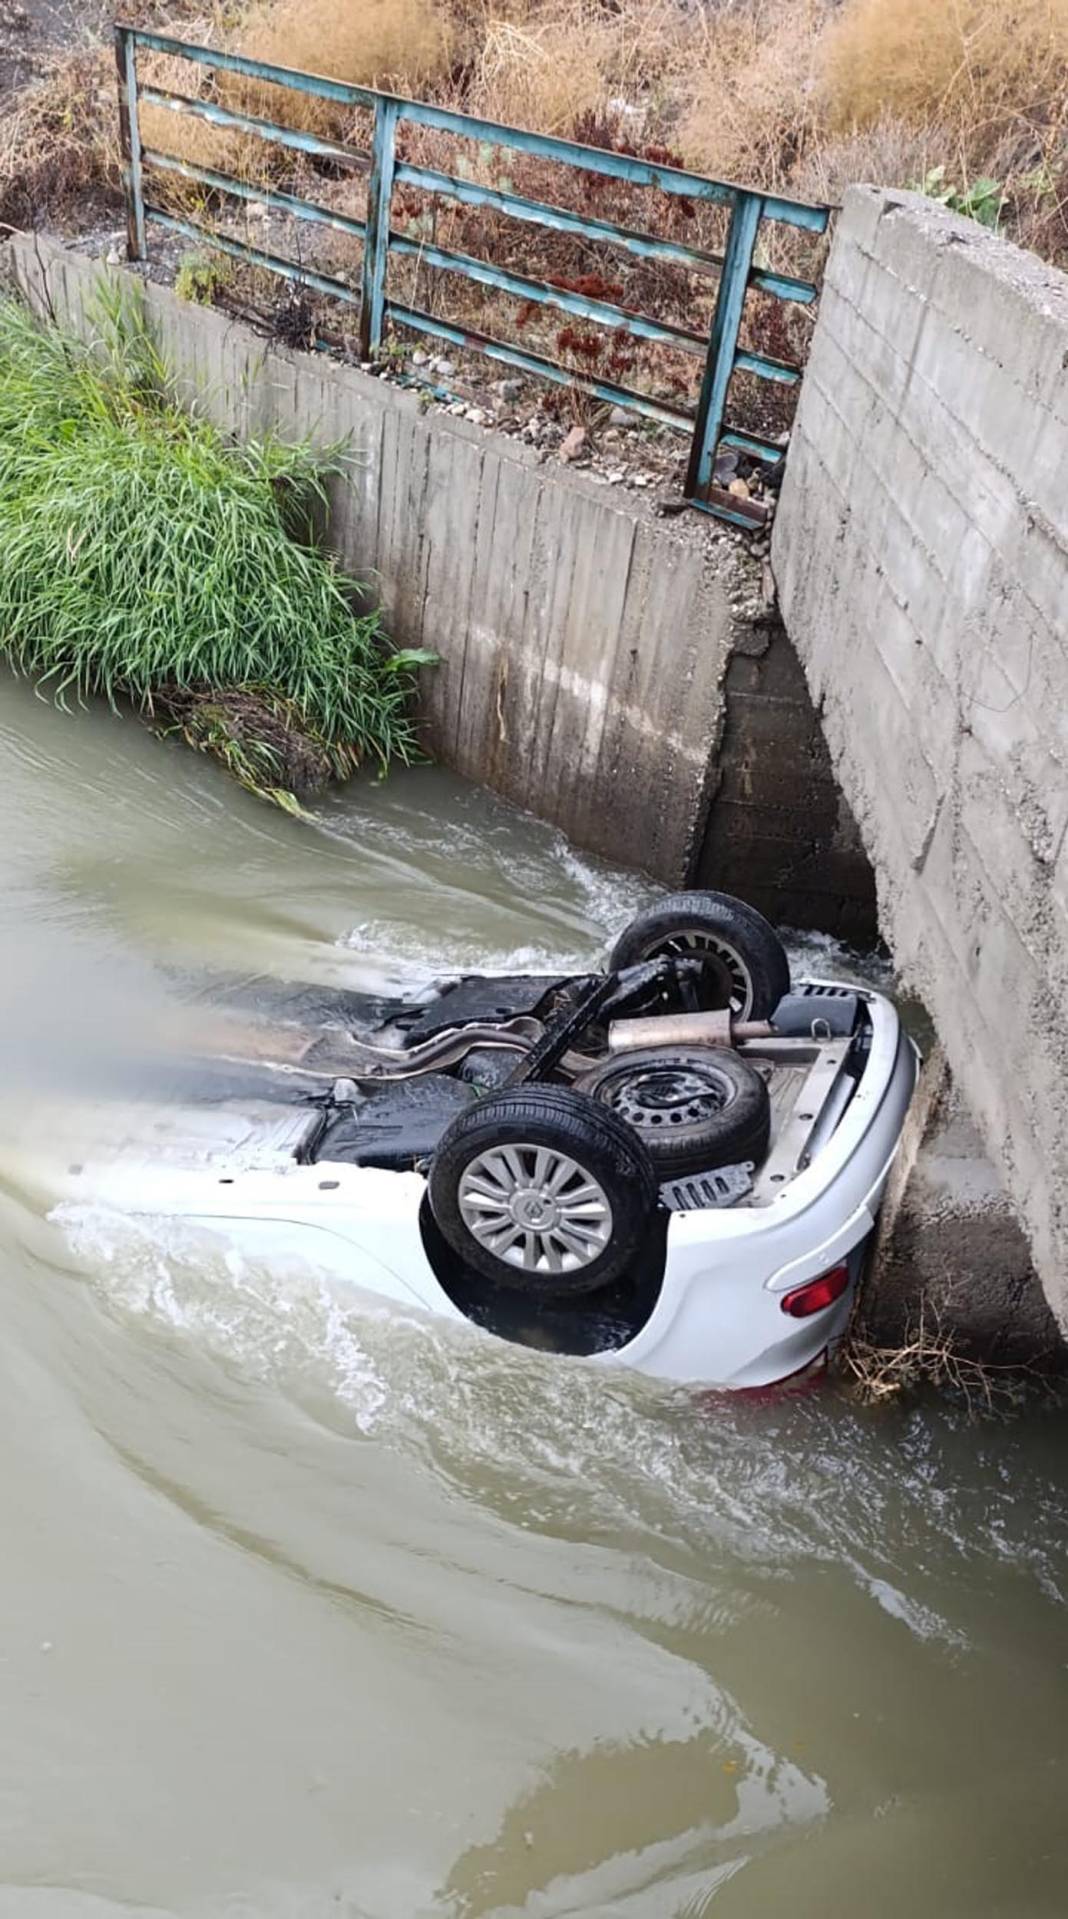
(458, 408)
(617, 474)
(418, 358)
(113, 258)
(258, 210)
(641, 479)
(508, 389)
(740, 489)
(476, 416)
(573, 443)
(620, 417)
(444, 367)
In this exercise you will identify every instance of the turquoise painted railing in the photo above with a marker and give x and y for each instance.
(720, 348)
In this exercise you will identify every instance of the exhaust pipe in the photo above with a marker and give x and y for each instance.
(684, 1029)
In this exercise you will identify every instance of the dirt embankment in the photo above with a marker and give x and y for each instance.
(31, 30)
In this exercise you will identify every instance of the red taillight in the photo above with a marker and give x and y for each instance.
(815, 1294)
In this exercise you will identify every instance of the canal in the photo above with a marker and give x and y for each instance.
(313, 1612)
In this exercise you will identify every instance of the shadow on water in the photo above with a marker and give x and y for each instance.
(309, 1609)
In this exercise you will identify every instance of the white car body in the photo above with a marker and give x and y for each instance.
(717, 1319)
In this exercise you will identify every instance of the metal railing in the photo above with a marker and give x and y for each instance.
(719, 348)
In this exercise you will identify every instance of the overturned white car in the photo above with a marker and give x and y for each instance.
(673, 1164)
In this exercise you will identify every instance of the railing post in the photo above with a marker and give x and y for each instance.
(723, 340)
(130, 143)
(376, 240)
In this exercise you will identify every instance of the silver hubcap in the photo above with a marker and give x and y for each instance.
(700, 945)
(535, 1208)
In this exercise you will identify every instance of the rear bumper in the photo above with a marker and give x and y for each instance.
(719, 1318)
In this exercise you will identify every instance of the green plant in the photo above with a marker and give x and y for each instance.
(394, 351)
(982, 200)
(200, 278)
(145, 558)
(1039, 181)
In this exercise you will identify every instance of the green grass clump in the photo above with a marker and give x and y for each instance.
(145, 558)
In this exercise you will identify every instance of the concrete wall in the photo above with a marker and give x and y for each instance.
(779, 830)
(584, 641)
(951, 1260)
(921, 556)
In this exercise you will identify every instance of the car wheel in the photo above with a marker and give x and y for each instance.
(746, 965)
(543, 1190)
(694, 1108)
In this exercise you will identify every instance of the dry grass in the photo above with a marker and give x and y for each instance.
(189, 138)
(554, 64)
(985, 68)
(59, 139)
(752, 109)
(891, 152)
(546, 73)
(402, 45)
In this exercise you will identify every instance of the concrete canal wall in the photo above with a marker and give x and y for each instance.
(618, 673)
(921, 557)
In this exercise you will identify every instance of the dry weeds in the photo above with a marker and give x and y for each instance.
(554, 64)
(59, 139)
(188, 137)
(928, 1356)
(984, 68)
(752, 112)
(800, 96)
(401, 45)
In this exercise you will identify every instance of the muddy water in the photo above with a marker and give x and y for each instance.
(308, 1612)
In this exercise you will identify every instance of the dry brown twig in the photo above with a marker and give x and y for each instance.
(929, 1355)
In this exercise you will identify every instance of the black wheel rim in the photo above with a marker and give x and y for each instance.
(659, 1098)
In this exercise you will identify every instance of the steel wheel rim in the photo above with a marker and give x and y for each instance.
(535, 1208)
(659, 1098)
(698, 943)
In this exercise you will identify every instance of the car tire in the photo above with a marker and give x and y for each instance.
(543, 1191)
(747, 965)
(694, 1108)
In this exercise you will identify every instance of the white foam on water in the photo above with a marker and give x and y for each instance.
(286, 1322)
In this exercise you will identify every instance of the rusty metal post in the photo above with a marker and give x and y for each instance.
(130, 142)
(376, 241)
(723, 340)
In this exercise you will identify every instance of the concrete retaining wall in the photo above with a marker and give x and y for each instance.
(921, 556)
(779, 830)
(584, 641)
(951, 1260)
